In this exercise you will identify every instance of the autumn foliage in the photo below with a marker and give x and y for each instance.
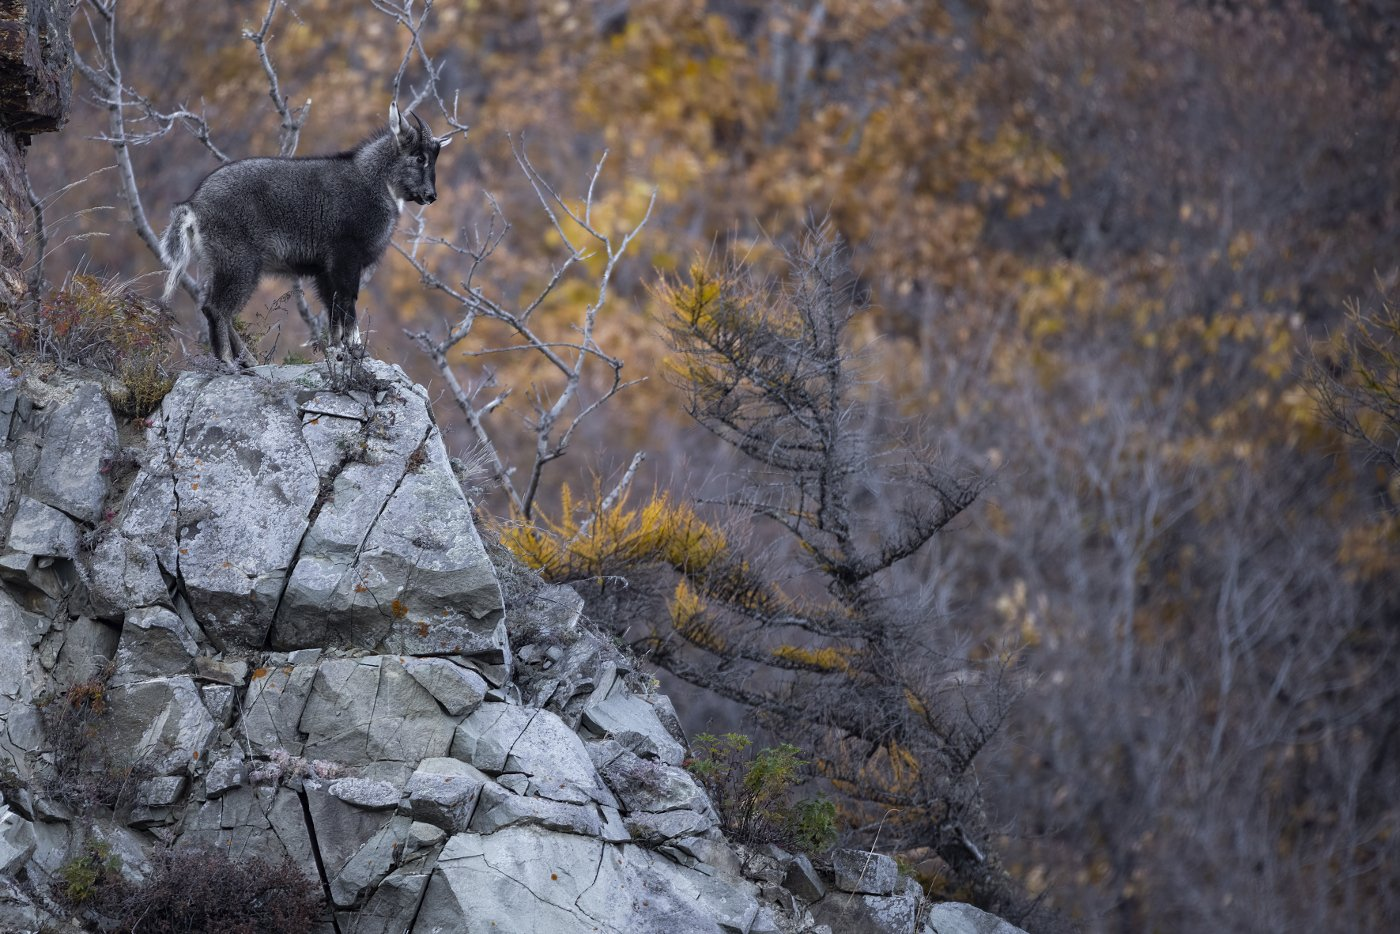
(1102, 255)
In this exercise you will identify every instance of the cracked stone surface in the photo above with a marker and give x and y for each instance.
(223, 776)
(500, 807)
(242, 482)
(371, 863)
(957, 918)
(634, 723)
(370, 709)
(154, 643)
(394, 904)
(161, 724)
(273, 706)
(865, 872)
(248, 822)
(20, 632)
(647, 784)
(300, 641)
(86, 646)
(221, 671)
(803, 880)
(392, 559)
(444, 791)
(529, 879)
(506, 738)
(459, 690)
(667, 827)
(357, 847)
(16, 840)
(161, 792)
(39, 529)
(79, 439)
(123, 573)
(367, 793)
(847, 911)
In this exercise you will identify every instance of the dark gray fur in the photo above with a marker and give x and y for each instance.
(325, 218)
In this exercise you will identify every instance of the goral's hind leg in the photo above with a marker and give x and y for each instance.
(218, 341)
(228, 291)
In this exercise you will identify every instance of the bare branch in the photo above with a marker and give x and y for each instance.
(292, 118)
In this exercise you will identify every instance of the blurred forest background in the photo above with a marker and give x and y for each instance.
(1107, 257)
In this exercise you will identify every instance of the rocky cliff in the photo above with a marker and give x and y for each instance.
(261, 623)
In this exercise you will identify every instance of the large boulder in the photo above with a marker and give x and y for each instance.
(533, 743)
(957, 918)
(291, 512)
(526, 879)
(444, 792)
(159, 725)
(865, 872)
(230, 468)
(634, 723)
(41, 530)
(154, 643)
(391, 558)
(79, 445)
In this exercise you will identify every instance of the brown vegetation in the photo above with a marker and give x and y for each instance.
(1097, 242)
(194, 891)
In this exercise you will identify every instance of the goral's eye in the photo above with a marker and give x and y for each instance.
(422, 159)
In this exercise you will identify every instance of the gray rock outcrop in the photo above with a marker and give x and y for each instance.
(279, 624)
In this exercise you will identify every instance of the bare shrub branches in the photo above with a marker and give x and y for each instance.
(135, 120)
(292, 117)
(573, 360)
(401, 12)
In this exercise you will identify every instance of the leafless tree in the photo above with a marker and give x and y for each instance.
(134, 119)
(572, 358)
(454, 267)
(1209, 707)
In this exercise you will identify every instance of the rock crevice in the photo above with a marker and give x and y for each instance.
(301, 650)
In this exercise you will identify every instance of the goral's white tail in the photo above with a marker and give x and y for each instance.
(177, 246)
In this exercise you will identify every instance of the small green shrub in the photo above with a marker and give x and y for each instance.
(755, 793)
(88, 876)
(814, 824)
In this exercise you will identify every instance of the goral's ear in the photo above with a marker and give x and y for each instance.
(442, 141)
(396, 128)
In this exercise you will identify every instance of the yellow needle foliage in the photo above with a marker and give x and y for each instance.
(593, 539)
